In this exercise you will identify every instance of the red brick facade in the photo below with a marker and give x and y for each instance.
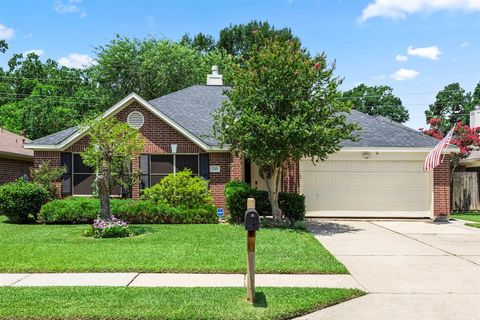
(441, 190)
(231, 168)
(291, 177)
(12, 169)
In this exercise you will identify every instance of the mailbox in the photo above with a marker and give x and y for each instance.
(252, 220)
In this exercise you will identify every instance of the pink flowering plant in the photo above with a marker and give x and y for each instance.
(114, 228)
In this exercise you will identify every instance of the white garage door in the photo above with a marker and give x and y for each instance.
(348, 186)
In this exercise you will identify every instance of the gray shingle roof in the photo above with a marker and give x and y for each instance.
(55, 138)
(382, 132)
(192, 109)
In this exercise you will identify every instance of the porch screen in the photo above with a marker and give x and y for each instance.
(83, 177)
(155, 167)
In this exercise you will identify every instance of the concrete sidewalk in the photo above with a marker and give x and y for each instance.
(411, 269)
(176, 280)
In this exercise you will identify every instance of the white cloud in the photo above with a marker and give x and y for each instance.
(465, 44)
(398, 9)
(428, 52)
(379, 77)
(76, 60)
(69, 6)
(6, 33)
(38, 52)
(404, 74)
(401, 58)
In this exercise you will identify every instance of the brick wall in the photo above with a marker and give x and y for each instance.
(12, 169)
(291, 177)
(157, 134)
(231, 168)
(441, 189)
(54, 161)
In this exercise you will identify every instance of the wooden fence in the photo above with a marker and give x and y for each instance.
(466, 191)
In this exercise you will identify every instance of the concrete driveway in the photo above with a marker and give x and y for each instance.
(411, 269)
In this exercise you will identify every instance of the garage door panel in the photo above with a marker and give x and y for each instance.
(365, 185)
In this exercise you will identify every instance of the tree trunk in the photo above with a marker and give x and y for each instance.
(103, 183)
(273, 178)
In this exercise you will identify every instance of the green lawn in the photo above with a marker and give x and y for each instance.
(164, 303)
(474, 217)
(162, 248)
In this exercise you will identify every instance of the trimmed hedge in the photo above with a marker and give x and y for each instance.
(21, 201)
(79, 210)
(237, 193)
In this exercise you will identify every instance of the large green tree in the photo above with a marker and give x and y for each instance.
(3, 46)
(201, 42)
(476, 95)
(239, 39)
(39, 98)
(113, 145)
(452, 104)
(377, 101)
(151, 67)
(284, 105)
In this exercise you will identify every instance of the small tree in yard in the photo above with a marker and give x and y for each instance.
(46, 176)
(113, 144)
(284, 105)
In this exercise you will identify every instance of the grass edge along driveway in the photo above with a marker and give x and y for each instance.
(474, 217)
(164, 303)
(161, 248)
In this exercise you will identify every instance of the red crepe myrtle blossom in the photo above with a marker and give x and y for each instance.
(467, 139)
(317, 65)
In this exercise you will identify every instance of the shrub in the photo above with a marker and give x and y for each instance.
(114, 228)
(86, 210)
(70, 210)
(20, 199)
(180, 189)
(237, 193)
(46, 176)
(292, 205)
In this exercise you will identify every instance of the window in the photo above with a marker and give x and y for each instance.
(83, 177)
(183, 161)
(155, 167)
(160, 166)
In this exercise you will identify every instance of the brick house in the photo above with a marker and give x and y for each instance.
(379, 175)
(15, 161)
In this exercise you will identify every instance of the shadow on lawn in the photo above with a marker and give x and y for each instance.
(329, 228)
(260, 300)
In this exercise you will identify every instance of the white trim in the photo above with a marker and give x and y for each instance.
(395, 149)
(114, 110)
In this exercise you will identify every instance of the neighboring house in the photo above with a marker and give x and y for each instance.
(15, 161)
(380, 175)
(472, 163)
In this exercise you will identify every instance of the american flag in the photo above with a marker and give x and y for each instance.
(433, 158)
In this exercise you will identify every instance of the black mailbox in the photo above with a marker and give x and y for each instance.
(252, 220)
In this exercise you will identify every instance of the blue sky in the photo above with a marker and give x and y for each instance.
(415, 46)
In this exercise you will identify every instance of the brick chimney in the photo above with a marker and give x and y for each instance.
(214, 79)
(475, 117)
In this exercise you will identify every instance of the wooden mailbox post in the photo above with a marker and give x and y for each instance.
(252, 224)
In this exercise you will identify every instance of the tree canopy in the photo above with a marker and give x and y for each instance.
(452, 104)
(377, 101)
(239, 39)
(39, 98)
(284, 105)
